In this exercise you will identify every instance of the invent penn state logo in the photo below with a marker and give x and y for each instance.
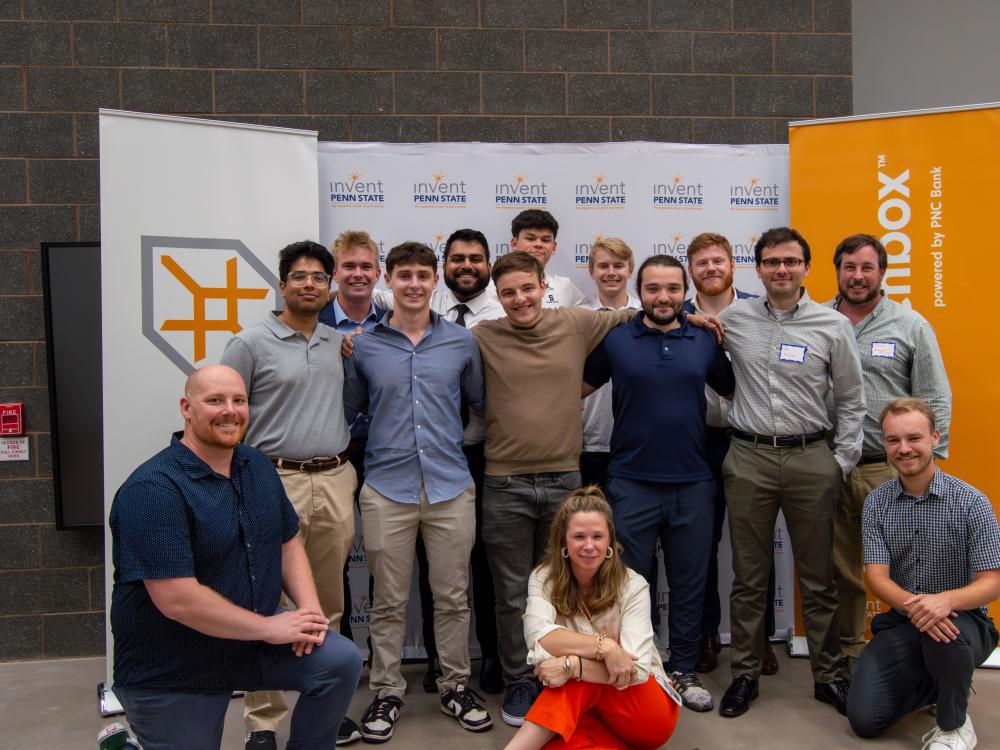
(520, 192)
(355, 192)
(197, 292)
(601, 193)
(754, 196)
(677, 194)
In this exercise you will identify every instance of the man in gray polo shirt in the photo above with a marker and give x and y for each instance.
(787, 352)
(294, 373)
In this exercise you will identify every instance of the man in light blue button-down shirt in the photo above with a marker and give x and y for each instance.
(413, 370)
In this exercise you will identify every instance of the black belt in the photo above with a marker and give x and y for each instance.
(874, 458)
(780, 441)
(717, 431)
(312, 465)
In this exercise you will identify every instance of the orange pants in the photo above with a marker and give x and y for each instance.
(600, 717)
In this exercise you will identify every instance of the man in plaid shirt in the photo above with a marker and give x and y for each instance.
(932, 552)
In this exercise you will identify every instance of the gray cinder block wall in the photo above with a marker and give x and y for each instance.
(701, 71)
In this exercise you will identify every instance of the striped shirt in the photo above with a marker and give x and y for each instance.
(932, 543)
(786, 362)
(900, 357)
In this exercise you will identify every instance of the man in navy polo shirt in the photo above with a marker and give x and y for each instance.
(660, 483)
(205, 540)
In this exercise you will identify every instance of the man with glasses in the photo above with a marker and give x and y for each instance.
(294, 373)
(787, 352)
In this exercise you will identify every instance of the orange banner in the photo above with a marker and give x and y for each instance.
(925, 183)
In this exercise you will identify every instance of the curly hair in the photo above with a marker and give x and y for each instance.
(562, 586)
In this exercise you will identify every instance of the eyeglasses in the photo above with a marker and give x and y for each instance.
(790, 263)
(298, 278)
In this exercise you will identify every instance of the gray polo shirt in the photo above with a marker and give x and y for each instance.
(296, 389)
(900, 357)
(785, 363)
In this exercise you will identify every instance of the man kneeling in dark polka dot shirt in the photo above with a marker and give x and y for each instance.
(205, 540)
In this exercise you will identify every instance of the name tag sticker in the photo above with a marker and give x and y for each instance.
(884, 349)
(792, 353)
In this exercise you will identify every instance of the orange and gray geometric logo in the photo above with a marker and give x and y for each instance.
(207, 278)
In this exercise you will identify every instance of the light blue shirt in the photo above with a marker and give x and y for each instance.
(414, 396)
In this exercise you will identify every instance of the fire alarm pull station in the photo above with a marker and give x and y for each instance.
(11, 420)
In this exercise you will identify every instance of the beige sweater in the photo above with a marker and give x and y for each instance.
(533, 382)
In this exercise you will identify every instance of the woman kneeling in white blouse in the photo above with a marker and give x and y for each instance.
(589, 635)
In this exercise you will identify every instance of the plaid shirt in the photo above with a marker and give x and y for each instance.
(932, 543)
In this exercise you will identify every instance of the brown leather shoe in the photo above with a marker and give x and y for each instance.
(709, 658)
(769, 665)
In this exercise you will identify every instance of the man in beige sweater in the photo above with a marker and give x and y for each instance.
(533, 362)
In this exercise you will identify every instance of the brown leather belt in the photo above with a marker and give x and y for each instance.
(780, 441)
(313, 464)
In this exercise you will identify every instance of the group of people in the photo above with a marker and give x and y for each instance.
(452, 418)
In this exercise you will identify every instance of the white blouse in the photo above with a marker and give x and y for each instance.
(628, 622)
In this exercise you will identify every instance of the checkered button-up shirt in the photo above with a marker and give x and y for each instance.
(932, 543)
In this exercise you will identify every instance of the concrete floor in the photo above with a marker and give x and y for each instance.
(52, 704)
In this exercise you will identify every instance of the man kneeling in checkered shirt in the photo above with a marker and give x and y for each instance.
(932, 552)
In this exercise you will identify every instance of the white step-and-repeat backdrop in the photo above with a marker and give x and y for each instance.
(655, 196)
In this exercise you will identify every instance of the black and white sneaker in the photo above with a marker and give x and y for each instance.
(380, 719)
(263, 740)
(349, 732)
(467, 707)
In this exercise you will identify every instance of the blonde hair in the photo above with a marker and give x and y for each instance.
(908, 404)
(354, 238)
(562, 586)
(614, 245)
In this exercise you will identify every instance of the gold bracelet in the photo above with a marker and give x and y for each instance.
(566, 667)
(599, 656)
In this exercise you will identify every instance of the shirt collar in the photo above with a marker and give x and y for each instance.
(639, 328)
(630, 304)
(339, 316)
(193, 466)
(276, 326)
(936, 489)
(475, 305)
(803, 299)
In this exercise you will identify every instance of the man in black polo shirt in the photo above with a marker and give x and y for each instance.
(660, 482)
(205, 540)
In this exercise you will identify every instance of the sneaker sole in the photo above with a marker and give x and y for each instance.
(348, 740)
(375, 739)
(698, 709)
(471, 727)
(513, 721)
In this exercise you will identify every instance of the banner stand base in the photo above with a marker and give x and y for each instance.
(107, 701)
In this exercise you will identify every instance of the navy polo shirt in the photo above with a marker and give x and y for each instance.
(174, 517)
(658, 398)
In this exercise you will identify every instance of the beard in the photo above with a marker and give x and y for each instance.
(459, 283)
(715, 285)
(662, 320)
(869, 294)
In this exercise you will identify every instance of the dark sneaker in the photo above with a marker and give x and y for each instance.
(430, 681)
(708, 659)
(466, 706)
(380, 719)
(260, 741)
(516, 703)
(769, 665)
(490, 676)
(349, 732)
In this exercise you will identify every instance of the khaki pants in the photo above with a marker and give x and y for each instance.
(324, 502)
(803, 484)
(848, 554)
(448, 529)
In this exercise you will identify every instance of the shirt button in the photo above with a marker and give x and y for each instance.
(422, 450)
(248, 545)
(416, 401)
(418, 427)
(253, 577)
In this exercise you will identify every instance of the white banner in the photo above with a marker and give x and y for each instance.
(655, 196)
(193, 213)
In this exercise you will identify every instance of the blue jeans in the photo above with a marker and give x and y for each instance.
(517, 513)
(682, 516)
(326, 680)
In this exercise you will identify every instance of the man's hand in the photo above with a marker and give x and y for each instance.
(551, 672)
(926, 610)
(347, 346)
(304, 628)
(943, 632)
(710, 322)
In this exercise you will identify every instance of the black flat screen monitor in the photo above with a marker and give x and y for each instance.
(71, 281)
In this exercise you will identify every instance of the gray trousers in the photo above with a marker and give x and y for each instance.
(804, 484)
(517, 512)
(902, 669)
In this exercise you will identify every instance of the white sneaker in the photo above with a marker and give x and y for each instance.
(963, 738)
(694, 695)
